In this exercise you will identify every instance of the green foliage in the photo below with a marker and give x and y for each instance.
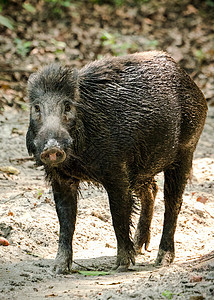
(115, 42)
(117, 47)
(58, 44)
(65, 3)
(30, 8)
(6, 22)
(93, 273)
(39, 194)
(150, 44)
(24, 106)
(58, 5)
(167, 294)
(200, 56)
(119, 2)
(22, 46)
(59, 47)
(210, 3)
(2, 3)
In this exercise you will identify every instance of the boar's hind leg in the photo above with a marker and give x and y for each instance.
(176, 177)
(146, 193)
(65, 196)
(121, 201)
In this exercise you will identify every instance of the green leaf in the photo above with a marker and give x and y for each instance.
(210, 3)
(29, 7)
(17, 41)
(6, 22)
(22, 47)
(167, 294)
(107, 36)
(93, 273)
(27, 44)
(66, 3)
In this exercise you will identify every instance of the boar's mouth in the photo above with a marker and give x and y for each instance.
(53, 156)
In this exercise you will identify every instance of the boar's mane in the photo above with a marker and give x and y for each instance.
(53, 78)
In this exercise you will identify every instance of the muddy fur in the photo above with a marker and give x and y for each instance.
(120, 121)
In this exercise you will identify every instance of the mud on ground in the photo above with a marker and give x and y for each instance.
(29, 221)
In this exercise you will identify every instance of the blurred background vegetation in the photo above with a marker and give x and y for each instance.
(34, 33)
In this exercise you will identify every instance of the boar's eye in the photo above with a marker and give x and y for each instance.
(37, 108)
(67, 107)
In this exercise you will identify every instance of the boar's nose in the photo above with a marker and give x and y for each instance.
(53, 156)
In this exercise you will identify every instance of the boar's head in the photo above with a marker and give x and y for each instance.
(54, 130)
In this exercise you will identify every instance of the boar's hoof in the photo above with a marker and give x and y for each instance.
(61, 268)
(62, 265)
(164, 258)
(141, 239)
(119, 269)
(123, 260)
(53, 156)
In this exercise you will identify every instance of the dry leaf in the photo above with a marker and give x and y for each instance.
(4, 242)
(202, 199)
(196, 279)
(9, 170)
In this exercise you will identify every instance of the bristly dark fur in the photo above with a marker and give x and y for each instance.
(53, 79)
(119, 121)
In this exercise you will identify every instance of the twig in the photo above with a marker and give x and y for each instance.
(13, 197)
(16, 70)
(86, 268)
(209, 213)
(22, 159)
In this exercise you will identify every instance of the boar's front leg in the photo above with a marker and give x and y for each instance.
(65, 196)
(121, 201)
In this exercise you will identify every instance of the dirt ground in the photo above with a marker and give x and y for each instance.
(29, 221)
(79, 34)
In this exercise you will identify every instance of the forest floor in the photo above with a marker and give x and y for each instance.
(28, 218)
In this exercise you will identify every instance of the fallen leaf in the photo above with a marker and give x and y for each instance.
(17, 131)
(190, 10)
(9, 170)
(47, 200)
(199, 208)
(109, 283)
(198, 297)
(197, 220)
(4, 242)
(196, 279)
(93, 273)
(202, 199)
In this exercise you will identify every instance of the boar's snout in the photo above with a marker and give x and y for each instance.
(53, 156)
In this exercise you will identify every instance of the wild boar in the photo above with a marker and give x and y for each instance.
(118, 122)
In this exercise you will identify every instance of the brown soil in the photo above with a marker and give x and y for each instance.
(27, 213)
(28, 220)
